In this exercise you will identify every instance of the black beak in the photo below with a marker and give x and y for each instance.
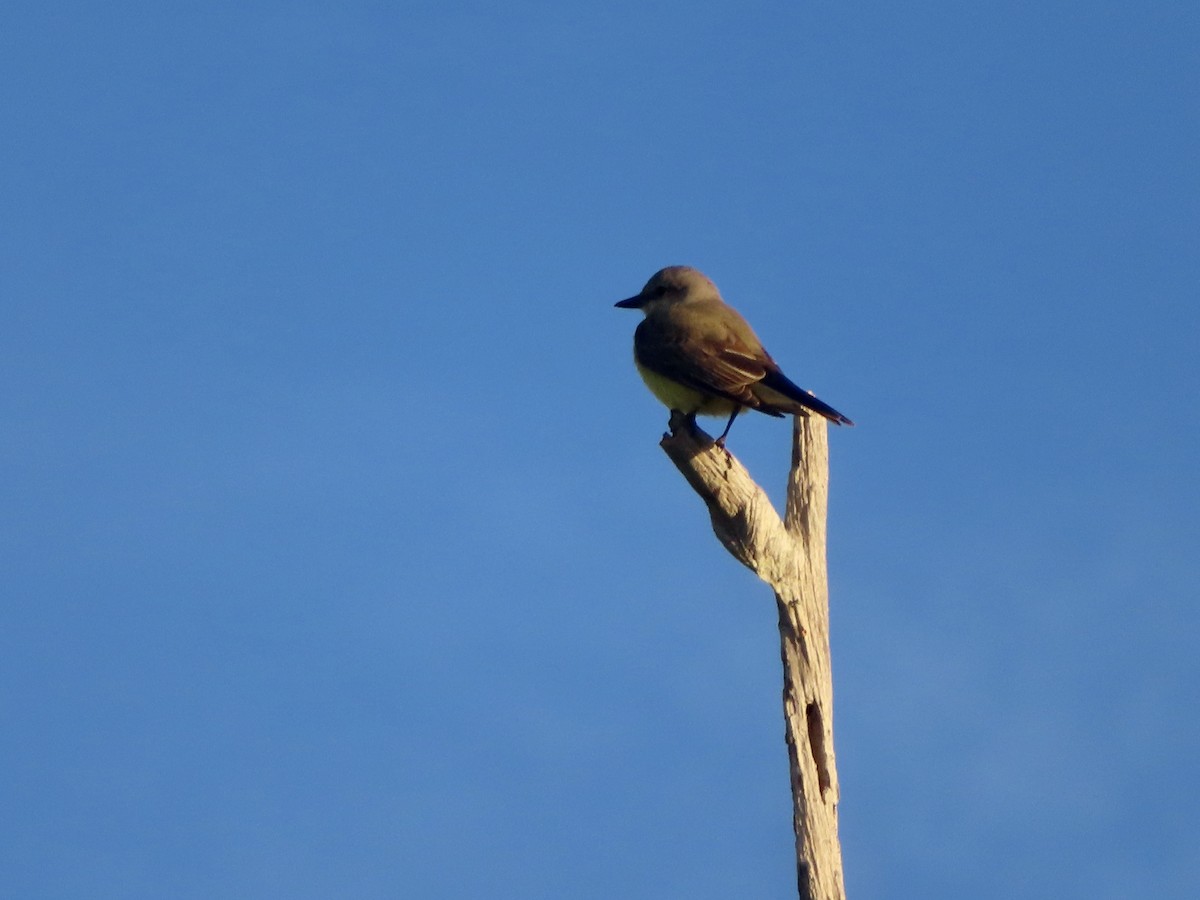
(632, 303)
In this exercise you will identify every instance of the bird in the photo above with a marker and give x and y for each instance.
(700, 357)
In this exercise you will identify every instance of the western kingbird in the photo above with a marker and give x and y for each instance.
(699, 356)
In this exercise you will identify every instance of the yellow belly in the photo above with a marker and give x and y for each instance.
(678, 396)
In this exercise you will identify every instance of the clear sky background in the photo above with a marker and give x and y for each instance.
(339, 556)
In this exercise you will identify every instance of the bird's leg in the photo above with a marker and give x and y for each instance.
(720, 442)
(680, 419)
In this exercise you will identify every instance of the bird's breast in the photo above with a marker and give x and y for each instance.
(674, 395)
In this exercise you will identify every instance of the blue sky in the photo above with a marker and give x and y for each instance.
(340, 558)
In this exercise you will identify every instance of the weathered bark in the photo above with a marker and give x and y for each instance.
(789, 556)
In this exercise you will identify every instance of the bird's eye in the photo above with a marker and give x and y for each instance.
(660, 290)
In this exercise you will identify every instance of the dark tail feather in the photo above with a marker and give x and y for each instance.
(777, 381)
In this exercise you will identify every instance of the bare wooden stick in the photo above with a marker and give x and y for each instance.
(790, 557)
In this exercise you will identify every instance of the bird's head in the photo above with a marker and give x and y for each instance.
(674, 284)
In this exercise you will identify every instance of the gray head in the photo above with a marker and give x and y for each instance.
(674, 284)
